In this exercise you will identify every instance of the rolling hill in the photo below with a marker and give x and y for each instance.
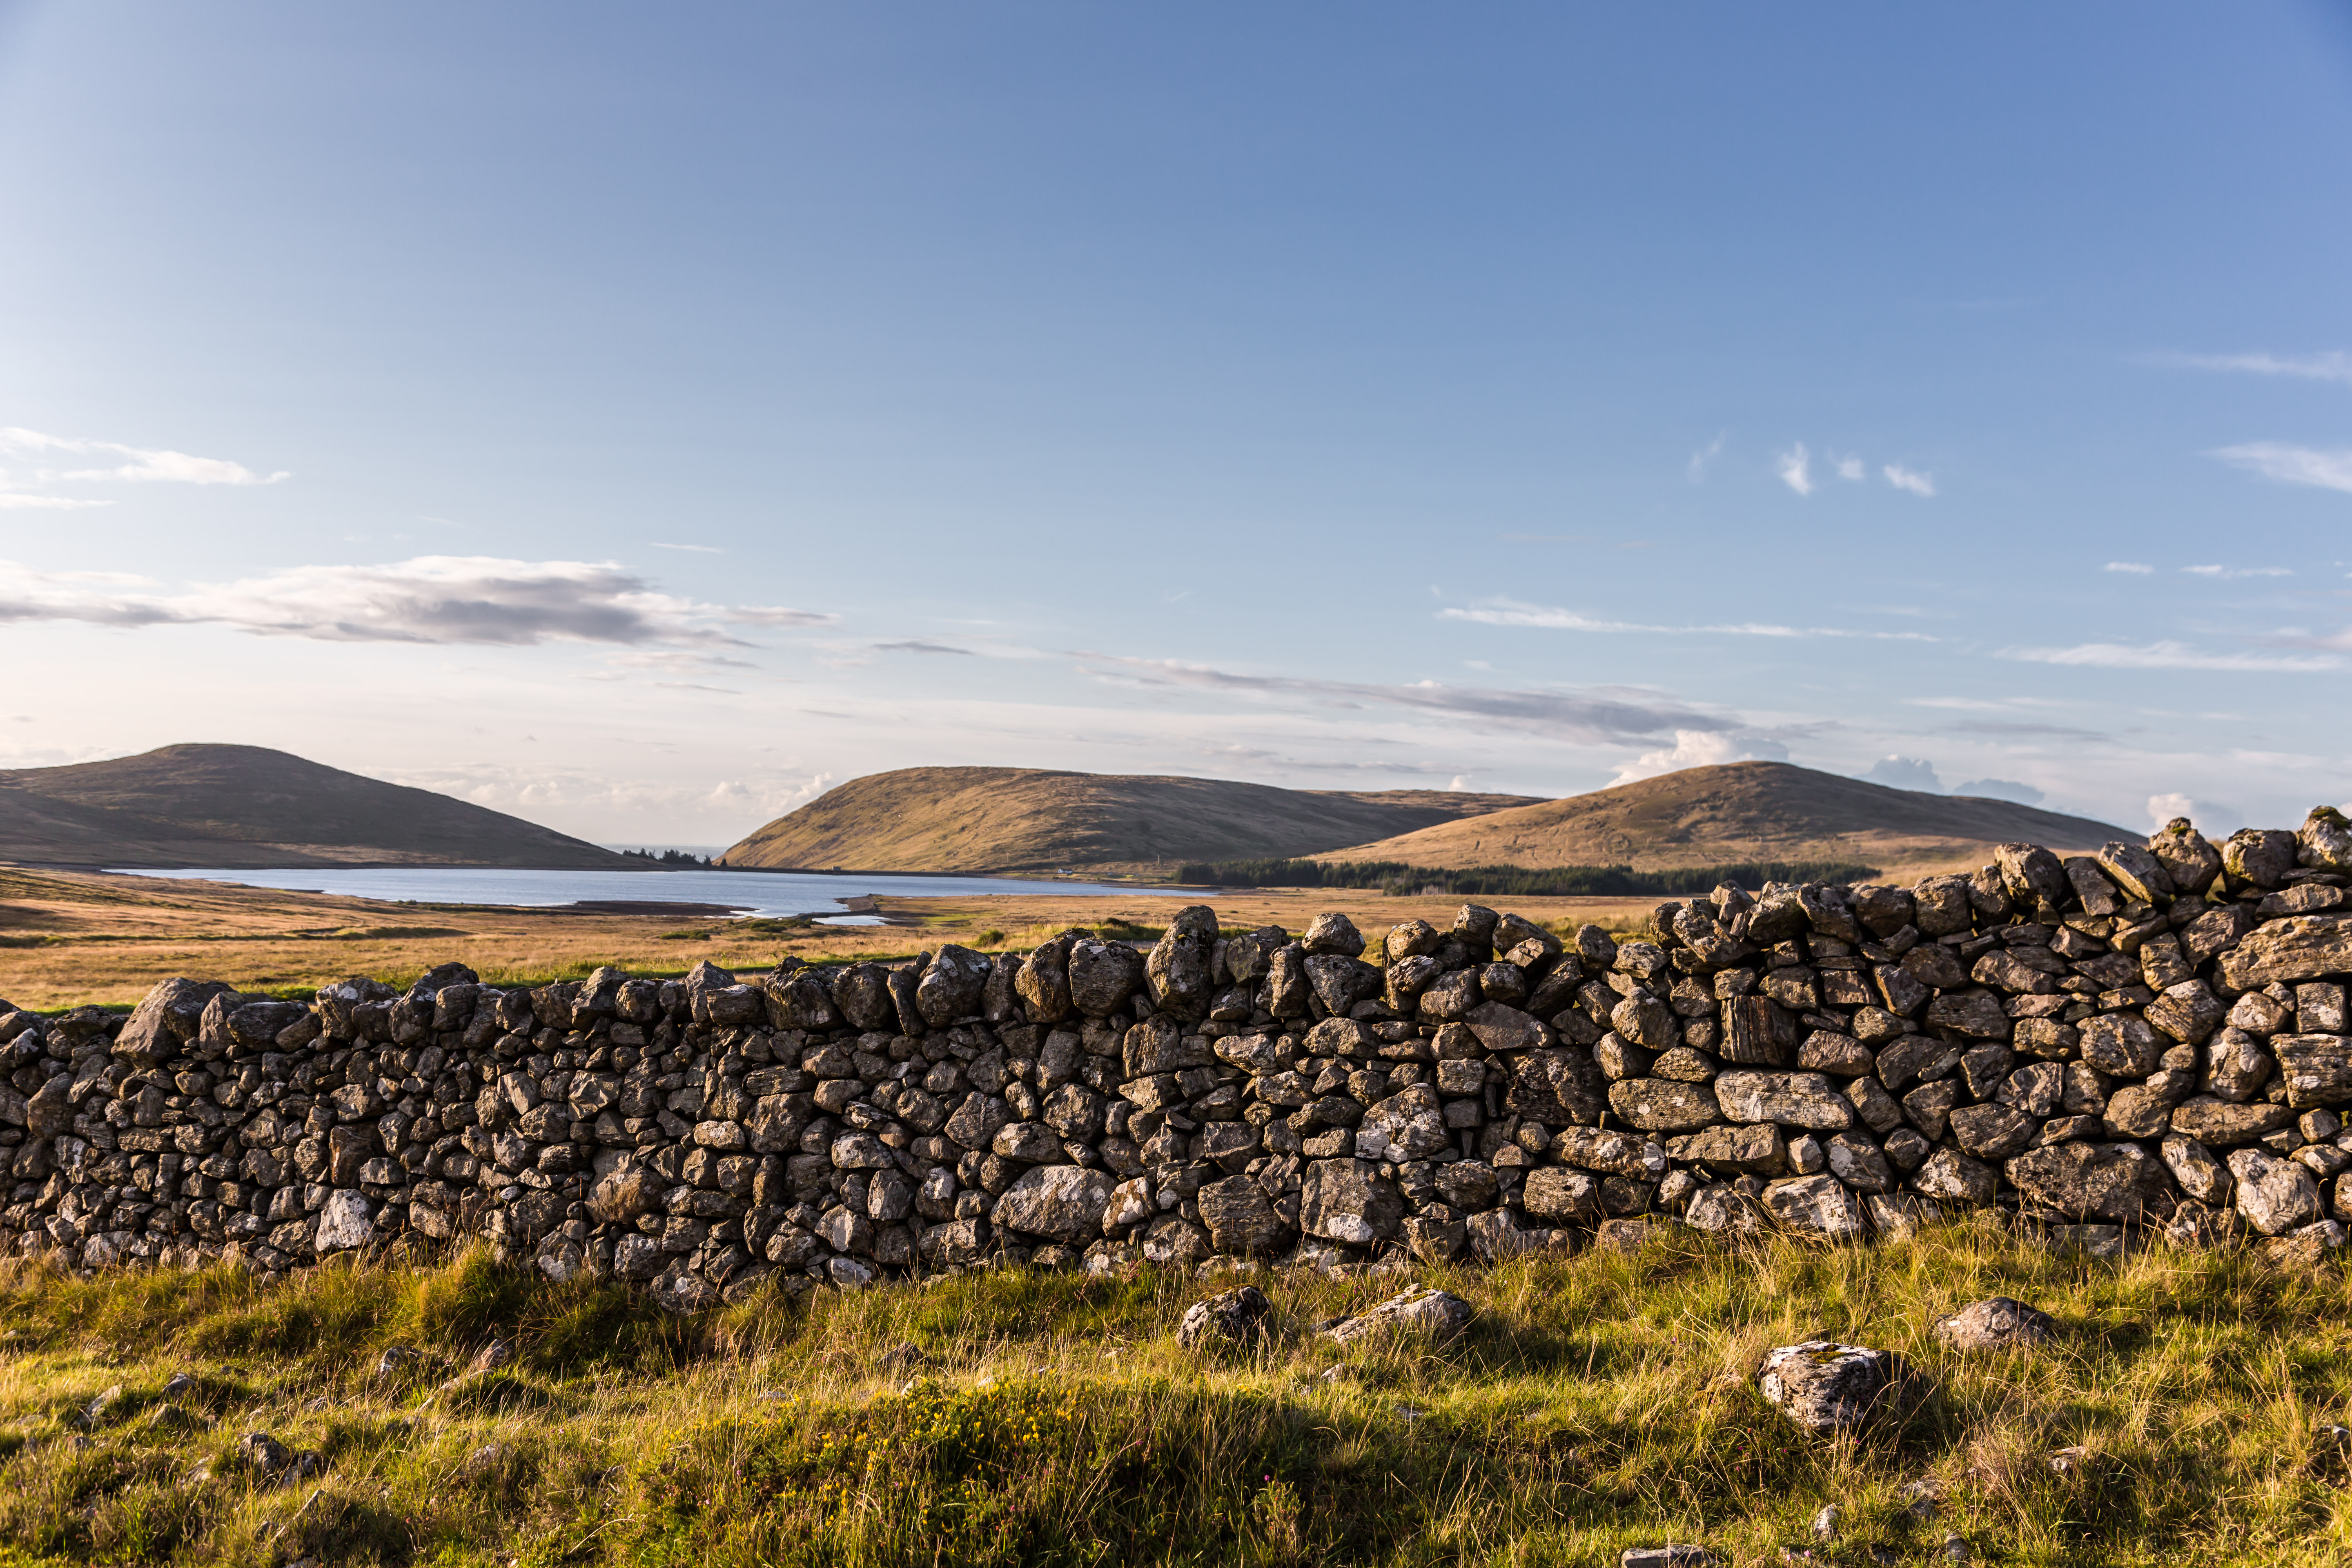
(1010, 819)
(1740, 811)
(239, 807)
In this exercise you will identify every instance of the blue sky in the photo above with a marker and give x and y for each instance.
(641, 418)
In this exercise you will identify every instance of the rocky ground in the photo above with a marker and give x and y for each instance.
(1970, 1394)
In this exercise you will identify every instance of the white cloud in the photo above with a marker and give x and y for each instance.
(1794, 466)
(1592, 716)
(778, 615)
(429, 599)
(11, 500)
(1850, 469)
(1704, 459)
(2332, 366)
(1912, 480)
(1701, 749)
(1905, 772)
(2231, 573)
(2275, 460)
(2170, 655)
(138, 465)
(1458, 781)
(1511, 613)
(691, 549)
(2213, 820)
(2000, 789)
(2137, 568)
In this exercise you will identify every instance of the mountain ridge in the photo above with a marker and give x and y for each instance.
(248, 807)
(986, 819)
(1739, 812)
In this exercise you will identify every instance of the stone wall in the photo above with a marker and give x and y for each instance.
(2153, 1036)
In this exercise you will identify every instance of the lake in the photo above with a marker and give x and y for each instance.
(767, 894)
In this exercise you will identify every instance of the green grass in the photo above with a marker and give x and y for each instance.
(1600, 1401)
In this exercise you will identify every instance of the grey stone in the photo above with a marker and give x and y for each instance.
(1816, 1207)
(345, 1221)
(2275, 1195)
(2219, 1124)
(1241, 1219)
(1996, 1322)
(2316, 1068)
(1949, 1176)
(1418, 1313)
(1558, 1195)
(2113, 1181)
(1825, 1386)
(1103, 976)
(1660, 1105)
(1787, 1098)
(1349, 1201)
(1062, 1202)
(2304, 947)
(1237, 1317)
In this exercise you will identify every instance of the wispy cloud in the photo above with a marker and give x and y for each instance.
(1912, 480)
(2330, 366)
(2136, 568)
(136, 465)
(430, 599)
(692, 549)
(1850, 469)
(1795, 468)
(2227, 573)
(916, 645)
(1589, 716)
(1702, 459)
(2172, 655)
(2286, 465)
(1510, 613)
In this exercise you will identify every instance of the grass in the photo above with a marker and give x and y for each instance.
(1600, 1400)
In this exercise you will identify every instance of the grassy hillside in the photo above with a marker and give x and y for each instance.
(1600, 1402)
(1743, 811)
(1001, 819)
(242, 806)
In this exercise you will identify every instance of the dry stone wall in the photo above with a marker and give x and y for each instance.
(2154, 1036)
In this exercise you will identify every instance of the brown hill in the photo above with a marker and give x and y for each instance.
(1008, 819)
(1742, 810)
(239, 807)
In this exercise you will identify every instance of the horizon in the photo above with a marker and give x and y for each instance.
(641, 427)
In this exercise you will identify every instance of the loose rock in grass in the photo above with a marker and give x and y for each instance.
(1825, 1386)
(1670, 1556)
(1433, 1316)
(1995, 1323)
(1236, 1317)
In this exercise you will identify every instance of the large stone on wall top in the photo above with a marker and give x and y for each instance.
(2301, 947)
(951, 985)
(1063, 1202)
(167, 1018)
(1103, 976)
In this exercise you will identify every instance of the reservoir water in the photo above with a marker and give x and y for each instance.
(767, 894)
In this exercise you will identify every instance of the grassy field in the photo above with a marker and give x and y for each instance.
(1600, 1401)
(69, 937)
